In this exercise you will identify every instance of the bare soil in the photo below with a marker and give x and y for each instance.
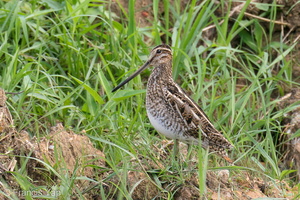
(64, 151)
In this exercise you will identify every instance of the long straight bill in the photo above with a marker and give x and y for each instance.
(132, 76)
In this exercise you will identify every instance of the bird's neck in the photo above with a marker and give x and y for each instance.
(159, 76)
(163, 70)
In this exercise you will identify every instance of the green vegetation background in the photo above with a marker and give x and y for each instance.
(68, 55)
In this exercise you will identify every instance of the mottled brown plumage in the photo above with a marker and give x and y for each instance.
(172, 112)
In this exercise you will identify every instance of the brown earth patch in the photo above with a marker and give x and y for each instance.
(63, 151)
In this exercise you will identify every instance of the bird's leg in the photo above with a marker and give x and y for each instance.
(188, 161)
(176, 150)
(175, 156)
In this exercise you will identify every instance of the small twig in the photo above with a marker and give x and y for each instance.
(288, 33)
(235, 9)
(238, 9)
(5, 136)
(12, 164)
(297, 38)
(267, 20)
(2, 168)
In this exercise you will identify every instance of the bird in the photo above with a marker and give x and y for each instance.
(172, 112)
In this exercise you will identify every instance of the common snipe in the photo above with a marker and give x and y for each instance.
(171, 111)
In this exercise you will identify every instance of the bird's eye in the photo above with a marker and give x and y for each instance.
(158, 51)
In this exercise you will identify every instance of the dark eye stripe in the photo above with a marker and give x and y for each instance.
(162, 49)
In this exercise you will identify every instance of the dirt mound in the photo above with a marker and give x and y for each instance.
(60, 152)
(6, 121)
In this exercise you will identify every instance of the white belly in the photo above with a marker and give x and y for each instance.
(169, 132)
(161, 128)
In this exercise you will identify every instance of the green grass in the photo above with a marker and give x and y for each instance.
(66, 56)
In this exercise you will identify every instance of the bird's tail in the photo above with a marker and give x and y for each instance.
(219, 144)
